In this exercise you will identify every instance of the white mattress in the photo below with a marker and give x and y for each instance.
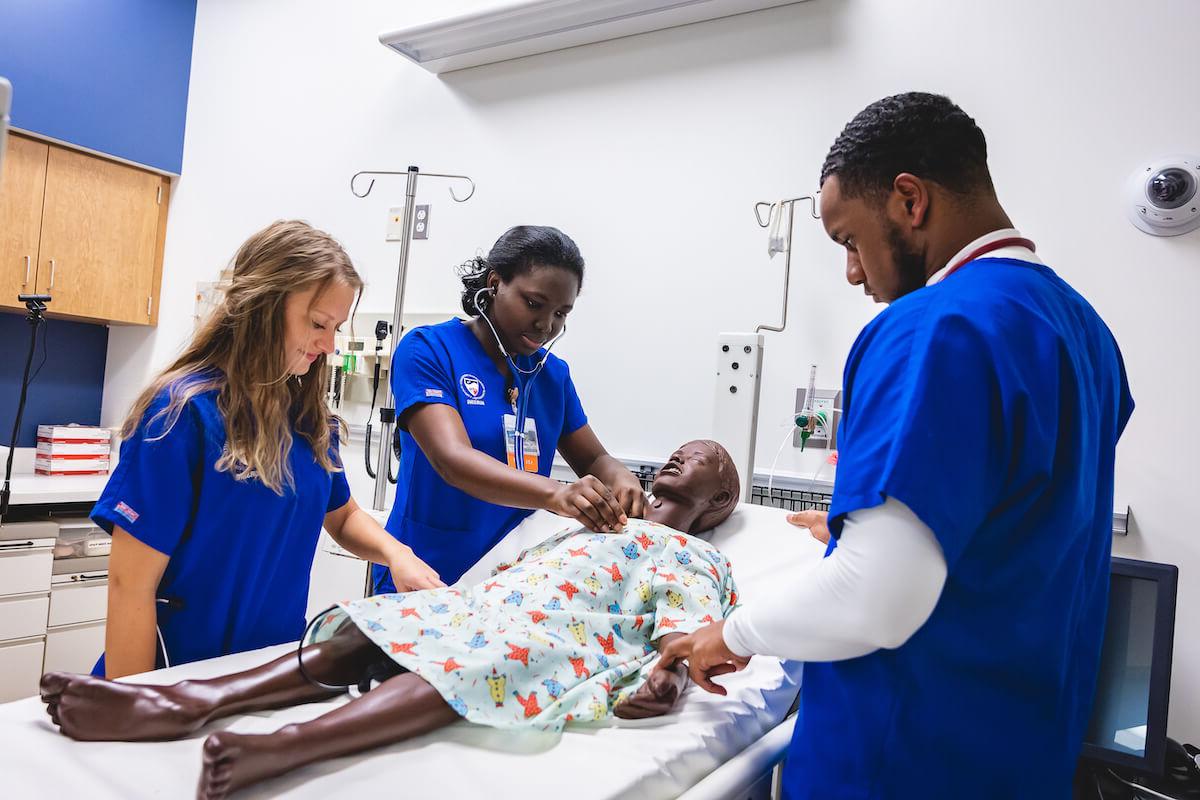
(655, 758)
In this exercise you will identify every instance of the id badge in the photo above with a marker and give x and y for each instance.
(529, 443)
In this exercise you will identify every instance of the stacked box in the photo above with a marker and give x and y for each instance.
(72, 450)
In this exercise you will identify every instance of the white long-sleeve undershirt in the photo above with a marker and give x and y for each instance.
(874, 591)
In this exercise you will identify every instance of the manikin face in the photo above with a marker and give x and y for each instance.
(532, 308)
(693, 472)
(879, 255)
(311, 318)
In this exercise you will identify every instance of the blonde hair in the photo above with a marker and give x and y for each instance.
(240, 352)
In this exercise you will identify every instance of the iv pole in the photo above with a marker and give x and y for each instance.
(387, 412)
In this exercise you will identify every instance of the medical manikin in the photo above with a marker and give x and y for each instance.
(566, 632)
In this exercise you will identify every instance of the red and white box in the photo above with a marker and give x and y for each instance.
(72, 450)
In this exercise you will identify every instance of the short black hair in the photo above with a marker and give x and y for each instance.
(517, 251)
(916, 132)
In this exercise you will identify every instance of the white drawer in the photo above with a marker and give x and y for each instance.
(20, 668)
(74, 648)
(23, 617)
(82, 601)
(24, 570)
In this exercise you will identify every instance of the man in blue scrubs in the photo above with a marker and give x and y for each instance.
(953, 632)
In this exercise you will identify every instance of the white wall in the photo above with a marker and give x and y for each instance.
(650, 151)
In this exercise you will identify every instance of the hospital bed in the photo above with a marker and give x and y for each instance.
(709, 747)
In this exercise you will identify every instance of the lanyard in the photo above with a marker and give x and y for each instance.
(979, 252)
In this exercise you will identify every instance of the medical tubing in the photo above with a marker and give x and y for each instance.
(775, 462)
(300, 656)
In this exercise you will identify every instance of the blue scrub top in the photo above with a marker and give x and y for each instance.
(240, 554)
(446, 527)
(990, 404)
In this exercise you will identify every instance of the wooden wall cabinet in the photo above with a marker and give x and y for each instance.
(87, 231)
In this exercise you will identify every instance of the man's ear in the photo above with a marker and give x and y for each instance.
(910, 200)
(720, 499)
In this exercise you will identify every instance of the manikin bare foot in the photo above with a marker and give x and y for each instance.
(94, 709)
(233, 761)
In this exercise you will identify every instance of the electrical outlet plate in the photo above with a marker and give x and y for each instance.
(828, 399)
(421, 223)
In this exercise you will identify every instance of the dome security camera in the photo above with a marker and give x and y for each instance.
(1164, 197)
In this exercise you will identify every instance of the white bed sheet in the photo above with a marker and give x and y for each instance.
(655, 758)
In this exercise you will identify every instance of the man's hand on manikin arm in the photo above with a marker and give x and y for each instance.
(705, 654)
(873, 592)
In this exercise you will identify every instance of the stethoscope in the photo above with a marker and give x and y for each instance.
(517, 391)
(979, 252)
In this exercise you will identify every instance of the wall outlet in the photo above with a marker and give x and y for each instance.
(823, 399)
(421, 223)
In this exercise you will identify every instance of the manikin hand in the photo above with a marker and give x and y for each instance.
(655, 697)
(816, 522)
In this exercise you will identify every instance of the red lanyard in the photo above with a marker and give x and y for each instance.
(1011, 241)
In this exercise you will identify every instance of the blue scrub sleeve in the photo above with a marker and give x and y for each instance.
(925, 425)
(573, 417)
(152, 491)
(419, 376)
(339, 488)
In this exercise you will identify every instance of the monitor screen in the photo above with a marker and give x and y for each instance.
(1122, 703)
(1129, 714)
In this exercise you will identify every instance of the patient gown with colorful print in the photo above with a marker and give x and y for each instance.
(563, 633)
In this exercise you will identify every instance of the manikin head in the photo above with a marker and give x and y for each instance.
(697, 489)
(903, 188)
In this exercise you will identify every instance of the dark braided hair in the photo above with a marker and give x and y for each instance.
(924, 134)
(517, 251)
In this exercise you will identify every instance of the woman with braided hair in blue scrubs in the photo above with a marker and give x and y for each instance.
(464, 389)
(952, 636)
(229, 469)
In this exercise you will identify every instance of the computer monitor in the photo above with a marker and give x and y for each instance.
(1129, 719)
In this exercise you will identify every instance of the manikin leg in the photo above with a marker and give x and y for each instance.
(400, 708)
(95, 709)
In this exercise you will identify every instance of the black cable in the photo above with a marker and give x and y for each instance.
(36, 307)
(45, 340)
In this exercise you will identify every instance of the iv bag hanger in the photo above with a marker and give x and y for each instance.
(371, 185)
(787, 264)
(387, 412)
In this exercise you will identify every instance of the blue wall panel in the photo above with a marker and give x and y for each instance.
(69, 386)
(109, 75)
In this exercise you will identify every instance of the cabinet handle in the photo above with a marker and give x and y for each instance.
(82, 577)
(51, 286)
(15, 545)
(149, 300)
(26, 281)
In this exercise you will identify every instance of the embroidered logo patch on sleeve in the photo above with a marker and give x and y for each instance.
(433, 392)
(125, 511)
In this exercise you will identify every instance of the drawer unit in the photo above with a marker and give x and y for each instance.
(25, 565)
(21, 668)
(74, 648)
(80, 597)
(23, 616)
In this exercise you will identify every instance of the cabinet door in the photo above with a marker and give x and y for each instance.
(21, 189)
(99, 237)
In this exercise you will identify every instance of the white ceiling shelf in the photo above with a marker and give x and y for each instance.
(529, 27)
